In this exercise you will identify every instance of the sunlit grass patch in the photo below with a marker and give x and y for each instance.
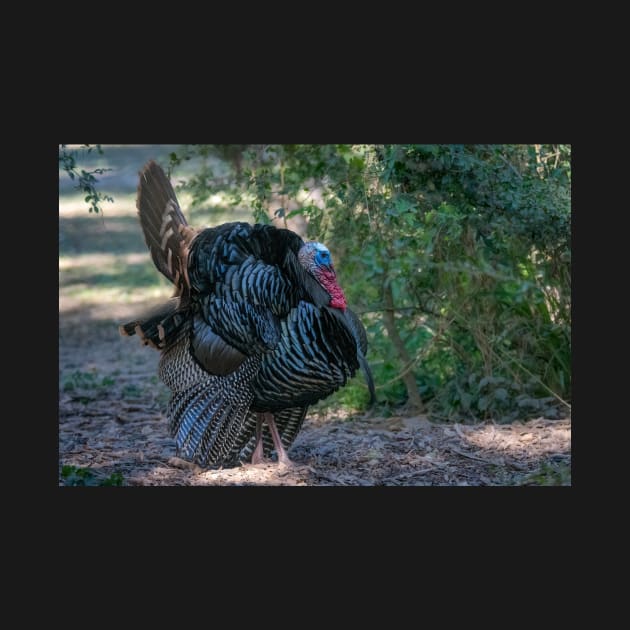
(98, 295)
(109, 278)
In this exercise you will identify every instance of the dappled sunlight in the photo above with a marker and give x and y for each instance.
(531, 439)
(100, 260)
(214, 211)
(74, 205)
(104, 283)
(108, 303)
(267, 474)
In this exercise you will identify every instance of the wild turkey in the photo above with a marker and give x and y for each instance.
(258, 330)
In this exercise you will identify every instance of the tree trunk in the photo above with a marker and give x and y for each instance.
(392, 332)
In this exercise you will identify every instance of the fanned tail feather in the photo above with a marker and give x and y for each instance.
(165, 228)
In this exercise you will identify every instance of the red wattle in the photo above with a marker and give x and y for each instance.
(328, 280)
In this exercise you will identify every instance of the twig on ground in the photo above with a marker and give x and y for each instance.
(479, 459)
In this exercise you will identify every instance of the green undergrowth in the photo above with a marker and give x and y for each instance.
(77, 476)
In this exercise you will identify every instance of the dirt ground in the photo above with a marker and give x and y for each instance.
(111, 423)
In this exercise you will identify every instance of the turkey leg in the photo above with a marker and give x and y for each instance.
(283, 458)
(258, 454)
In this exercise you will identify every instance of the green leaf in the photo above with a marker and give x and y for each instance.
(67, 470)
(500, 394)
(357, 163)
(115, 479)
(404, 205)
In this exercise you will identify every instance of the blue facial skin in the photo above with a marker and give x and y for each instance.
(322, 257)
